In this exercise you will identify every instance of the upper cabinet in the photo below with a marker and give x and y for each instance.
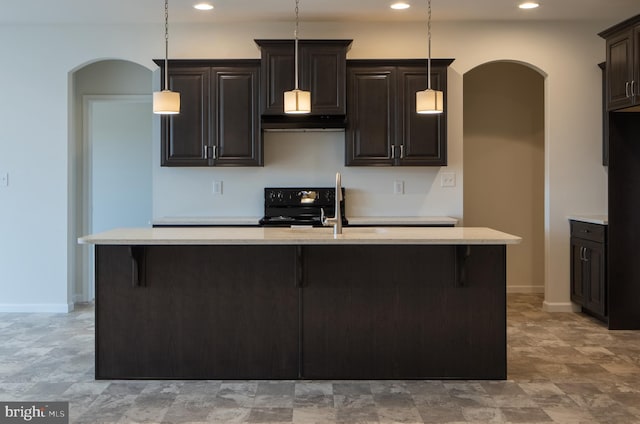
(321, 70)
(219, 122)
(383, 127)
(623, 64)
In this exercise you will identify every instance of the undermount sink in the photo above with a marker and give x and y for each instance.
(345, 230)
(365, 230)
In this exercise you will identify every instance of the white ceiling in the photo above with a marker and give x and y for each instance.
(143, 11)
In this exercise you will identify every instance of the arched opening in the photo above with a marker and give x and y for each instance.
(111, 145)
(504, 164)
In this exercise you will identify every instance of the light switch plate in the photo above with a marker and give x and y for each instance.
(398, 187)
(217, 187)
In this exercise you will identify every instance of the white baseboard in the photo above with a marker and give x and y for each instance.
(559, 307)
(525, 289)
(57, 308)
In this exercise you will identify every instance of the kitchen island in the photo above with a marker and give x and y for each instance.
(280, 303)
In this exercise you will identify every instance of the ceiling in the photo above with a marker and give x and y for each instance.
(150, 11)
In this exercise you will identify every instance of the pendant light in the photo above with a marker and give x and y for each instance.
(429, 101)
(166, 102)
(297, 101)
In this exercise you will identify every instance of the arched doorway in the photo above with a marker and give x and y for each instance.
(504, 163)
(111, 175)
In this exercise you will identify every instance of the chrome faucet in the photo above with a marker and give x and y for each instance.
(336, 221)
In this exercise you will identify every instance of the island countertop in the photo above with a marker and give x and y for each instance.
(300, 236)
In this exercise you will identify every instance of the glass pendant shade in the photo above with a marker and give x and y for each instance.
(166, 102)
(297, 101)
(429, 101)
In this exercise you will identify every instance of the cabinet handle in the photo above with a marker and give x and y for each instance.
(215, 152)
(393, 151)
(633, 88)
(402, 151)
(586, 259)
(581, 253)
(206, 152)
(626, 89)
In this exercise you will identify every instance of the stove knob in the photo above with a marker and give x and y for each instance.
(276, 196)
(329, 195)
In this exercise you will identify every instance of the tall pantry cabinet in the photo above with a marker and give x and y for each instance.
(623, 105)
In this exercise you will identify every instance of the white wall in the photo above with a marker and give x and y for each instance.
(35, 213)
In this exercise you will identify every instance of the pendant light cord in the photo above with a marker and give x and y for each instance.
(166, 44)
(429, 36)
(295, 33)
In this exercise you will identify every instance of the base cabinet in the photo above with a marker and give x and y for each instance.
(589, 268)
(311, 312)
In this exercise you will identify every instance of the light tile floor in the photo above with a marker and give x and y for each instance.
(563, 368)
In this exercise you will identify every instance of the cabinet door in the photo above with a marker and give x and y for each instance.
(371, 116)
(422, 137)
(595, 277)
(577, 271)
(185, 136)
(278, 67)
(236, 121)
(619, 70)
(323, 73)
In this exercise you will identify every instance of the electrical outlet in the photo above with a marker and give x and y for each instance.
(448, 179)
(4, 179)
(398, 187)
(217, 187)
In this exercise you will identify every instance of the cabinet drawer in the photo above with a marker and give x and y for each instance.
(588, 231)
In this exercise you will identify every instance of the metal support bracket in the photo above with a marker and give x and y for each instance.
(138, 266)
(462, 254)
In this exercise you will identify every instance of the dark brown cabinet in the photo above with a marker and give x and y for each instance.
(383, 127)
(623, 64)
(378, 317)
(199, 312)
(589, 267)
(322, 70)
(605, 116)
(219, 122)
(623, 231)
(301, 311)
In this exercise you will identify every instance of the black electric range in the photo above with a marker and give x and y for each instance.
(287, 206)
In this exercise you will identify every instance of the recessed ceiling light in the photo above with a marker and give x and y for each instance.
(400, 6)
(529, 5)
(203, 6)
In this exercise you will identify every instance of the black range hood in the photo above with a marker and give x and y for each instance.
(303, 122)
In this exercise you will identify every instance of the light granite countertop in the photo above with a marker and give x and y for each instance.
(591, 219)
(299, 236)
